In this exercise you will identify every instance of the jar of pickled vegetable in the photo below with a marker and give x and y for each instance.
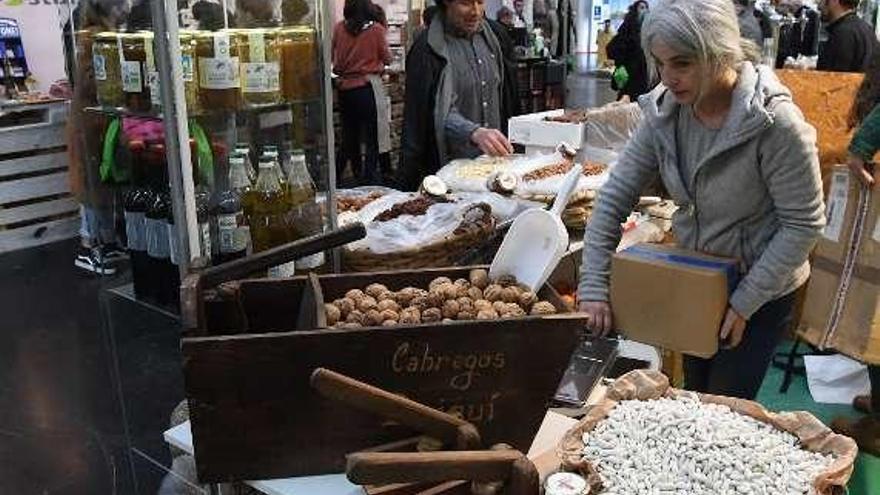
(260, 66)
(219, 73)
(188, 64)
(299, 64)
(106, 55)
(135, 83)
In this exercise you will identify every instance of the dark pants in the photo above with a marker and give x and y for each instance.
(358, 108)
(874, 375)
(739, 372)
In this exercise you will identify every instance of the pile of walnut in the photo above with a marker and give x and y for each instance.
(443, 302)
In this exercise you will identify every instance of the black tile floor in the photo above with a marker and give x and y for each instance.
(88, 380)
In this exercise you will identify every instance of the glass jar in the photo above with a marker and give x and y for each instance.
(260, 66)
(106, 55)
(188, 64)
(299, 64)
(135, 85)
(85, 40)
(219, 73)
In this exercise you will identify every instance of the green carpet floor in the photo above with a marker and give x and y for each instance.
(866, 478)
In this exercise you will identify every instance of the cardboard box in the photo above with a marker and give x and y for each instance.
(671, 297)
(533, 130)
(842, 308)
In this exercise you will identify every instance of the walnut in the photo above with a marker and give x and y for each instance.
(543, 308)
(512, 310)
(449, 291)
(349, 326)
(345, 305)
(388, 304)
(499, 306)
(475, 293)
(462, 291)
(366, 303)
(355, 294)
(510, 295)
(494, 293)
(389, 315)
(527, 299)
(460, 282)
(356, 316)
(479, 278)
(420, 302)
(435, 299)
(448, 320)
(332, 313)
(465, 301)
(487, 314)
(466, 315)
(481, 304)
(389, 323)
(451, 309)
(506, 280)
(386, 296)
(439, 281)
(374, 318)
(406, 295)
(432, 315)
(410, 316)
(375, 290)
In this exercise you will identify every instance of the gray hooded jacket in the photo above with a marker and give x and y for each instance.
(757, 195)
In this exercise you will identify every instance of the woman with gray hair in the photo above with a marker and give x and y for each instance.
(738, 159)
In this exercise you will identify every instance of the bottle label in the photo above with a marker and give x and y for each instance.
(99, 63)
(261, 77)
(157, 238)
(134, 230)
(310, 262)
(286, 270)
(174, 243)
(221, 46)
(132, 82)
(187, 64)
(219, 73)
(257, 47)
(205, 235)
(233, 237)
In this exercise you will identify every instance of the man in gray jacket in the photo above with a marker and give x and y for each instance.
(740, 161)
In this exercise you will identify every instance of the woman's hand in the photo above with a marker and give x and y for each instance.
(732, 329)
(860, 169)
(600, 320)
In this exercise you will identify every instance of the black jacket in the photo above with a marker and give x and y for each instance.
(420, 154)
(851, 43)
(626, 49)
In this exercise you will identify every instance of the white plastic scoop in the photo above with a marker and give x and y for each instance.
(536, 241)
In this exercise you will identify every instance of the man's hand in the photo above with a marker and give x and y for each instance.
(732, 329)
(860, 169)
(600, 320)
(491, 142)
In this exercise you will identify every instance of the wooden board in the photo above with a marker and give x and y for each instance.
(31, 137)
(33, 187)
(255, 416)
(32, 164)
(35, 235)
(36, 211)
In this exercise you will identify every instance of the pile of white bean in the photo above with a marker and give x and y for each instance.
(683, 446)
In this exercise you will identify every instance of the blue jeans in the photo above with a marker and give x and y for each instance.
(96, 226)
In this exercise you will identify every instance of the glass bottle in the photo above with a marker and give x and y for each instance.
(266, 211)
(134, 211)
(233, 232)
(245, 150)
(305, 212)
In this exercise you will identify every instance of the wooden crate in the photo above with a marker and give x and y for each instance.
(247, 373)
(35, 203)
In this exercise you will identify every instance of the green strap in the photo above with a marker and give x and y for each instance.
(205, 154)
(108, 155)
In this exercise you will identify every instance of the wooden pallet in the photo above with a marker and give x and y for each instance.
(35, 202)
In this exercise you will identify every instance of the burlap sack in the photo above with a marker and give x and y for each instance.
(647, 385)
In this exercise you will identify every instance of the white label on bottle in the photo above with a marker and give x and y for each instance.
(835, 210)
(134, 230)
(286, 270)
(217, 73)
(233, 238)
(310, 262)
(186, 63)
(148, 55)
(257, 47)
(261, 77)
(99, 63)
(132, 82)
(157, 238)
(174, 244)
(153, 80)
(221, 46)
(205, 234)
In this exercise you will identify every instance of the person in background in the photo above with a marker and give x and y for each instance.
(865, 115)
(360, 54)
(551, 27)
(504, 16)
(740, 161)
(606, 34)
(456, 103)
(626, 51)
(749, 27)
(851, 41)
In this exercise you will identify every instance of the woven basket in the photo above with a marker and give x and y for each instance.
(446, 252)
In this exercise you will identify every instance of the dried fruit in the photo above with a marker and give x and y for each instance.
(415, 207)
(410, 316)
(432, 315)
(451, 309)
(375, 290)
(332, 313)
(388, 304)
(543, 308)
(356, 203)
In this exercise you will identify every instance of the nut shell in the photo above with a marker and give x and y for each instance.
(346, 305)
(479, 278)
(506, 280)
(543, 308)
(332, 313)
(487, 314)
(432, 315)
(355, 294)
(375, 290)
(388, 304)
(439, 281)
(366, 303)
(410, 316)
(466, 315)
(451, 309)
(475, 293)
(482, 304)
(494, 293)
(389, 315)
(510, 295)
(356, 316)
(389, 323)
(386, 296)
(527, 299)
(374, 318)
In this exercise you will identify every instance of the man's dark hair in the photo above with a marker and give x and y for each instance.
(357, 14)
(849, 4)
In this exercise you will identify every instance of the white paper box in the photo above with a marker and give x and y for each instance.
(533, 130)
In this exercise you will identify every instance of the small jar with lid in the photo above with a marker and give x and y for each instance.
(106, 55)
(260, 66)
(219, 72)
(136, 48)
(188, 66)
(299, 64)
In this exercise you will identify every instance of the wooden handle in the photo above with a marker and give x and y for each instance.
(475, 465)
(427, 420)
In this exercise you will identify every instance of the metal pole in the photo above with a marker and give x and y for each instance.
(323, 19)
(176, 129)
